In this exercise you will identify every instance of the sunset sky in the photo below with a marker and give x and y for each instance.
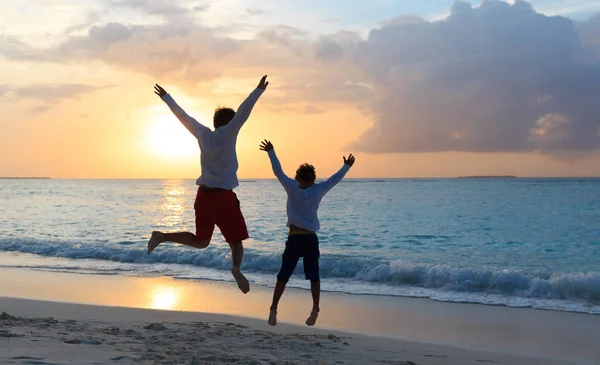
(413, 88)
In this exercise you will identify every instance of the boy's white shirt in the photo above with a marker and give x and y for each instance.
(303, 204)
(218, 158)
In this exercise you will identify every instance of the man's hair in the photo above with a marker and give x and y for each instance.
(306, 173)
(222, 116)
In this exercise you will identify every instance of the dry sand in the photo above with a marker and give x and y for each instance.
(44, 333)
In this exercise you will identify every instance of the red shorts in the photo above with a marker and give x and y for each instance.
(221, 208)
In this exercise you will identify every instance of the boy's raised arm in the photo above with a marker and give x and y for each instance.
(192, 125)
(267, 146)
(244, 110)
(325, 186)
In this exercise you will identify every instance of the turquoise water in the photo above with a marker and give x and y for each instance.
(516, 242)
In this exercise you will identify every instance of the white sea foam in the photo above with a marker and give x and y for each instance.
(578, 292)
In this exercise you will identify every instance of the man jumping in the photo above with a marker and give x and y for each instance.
(216, 203)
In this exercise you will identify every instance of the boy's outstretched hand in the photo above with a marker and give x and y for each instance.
(349, 161)
(158, 90)
(266, 146)
(263, 83)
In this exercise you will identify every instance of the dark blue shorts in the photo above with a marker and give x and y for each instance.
(300, 245)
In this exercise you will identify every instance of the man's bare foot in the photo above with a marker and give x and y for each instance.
(313, 317)
(273, 317)
(241, 280)
(154, 241)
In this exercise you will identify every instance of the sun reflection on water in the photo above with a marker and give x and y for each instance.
(164, 298)
(173, 195)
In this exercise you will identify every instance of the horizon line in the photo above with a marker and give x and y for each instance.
(505, 177)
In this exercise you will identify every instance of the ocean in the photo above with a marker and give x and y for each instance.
(513, 242)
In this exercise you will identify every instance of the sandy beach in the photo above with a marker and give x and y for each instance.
(209, 326)
(38, 332)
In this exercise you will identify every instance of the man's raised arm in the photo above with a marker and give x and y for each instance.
(244, 110)
(192, 125)
(267, 146)
(325, 186)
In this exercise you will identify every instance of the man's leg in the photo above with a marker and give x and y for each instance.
(237, 254)
(315, 290)
(205, 226)
(184, 238)
(230, 220)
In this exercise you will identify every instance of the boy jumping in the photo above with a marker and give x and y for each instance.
(303, 198)
(216, 203)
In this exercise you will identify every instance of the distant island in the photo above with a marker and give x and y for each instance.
(23, 178)
(488, 177)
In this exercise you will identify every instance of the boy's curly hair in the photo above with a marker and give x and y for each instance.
(222, 116)
(306, 173)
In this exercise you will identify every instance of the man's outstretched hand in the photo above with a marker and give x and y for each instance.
(349, 161)
(266, 146)
(158, 90)
(263, 83)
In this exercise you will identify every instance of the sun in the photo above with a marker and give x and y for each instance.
(167, 138)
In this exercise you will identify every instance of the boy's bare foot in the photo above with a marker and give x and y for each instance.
(154, 241)
(241, 280)
(273, 317)
(313, 317)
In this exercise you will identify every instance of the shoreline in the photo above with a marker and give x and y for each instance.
(470, 327)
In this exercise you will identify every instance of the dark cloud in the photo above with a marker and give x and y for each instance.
(50, 93)
(496, 78)
(336, 46)
(589, 33)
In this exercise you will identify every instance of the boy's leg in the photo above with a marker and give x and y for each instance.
(315, 290)
(289, 261)
(277, 293)
(311, 272)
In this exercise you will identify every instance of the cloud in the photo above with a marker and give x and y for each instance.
(336, 46)
(257, 11)
(12, 48)
(187, 54)
(168, 9)
(40, 109)
(50, 93)
(201, 8)
(92, 18)
(589, 33)
(495, 78)
(286, 36)
(313, 109)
